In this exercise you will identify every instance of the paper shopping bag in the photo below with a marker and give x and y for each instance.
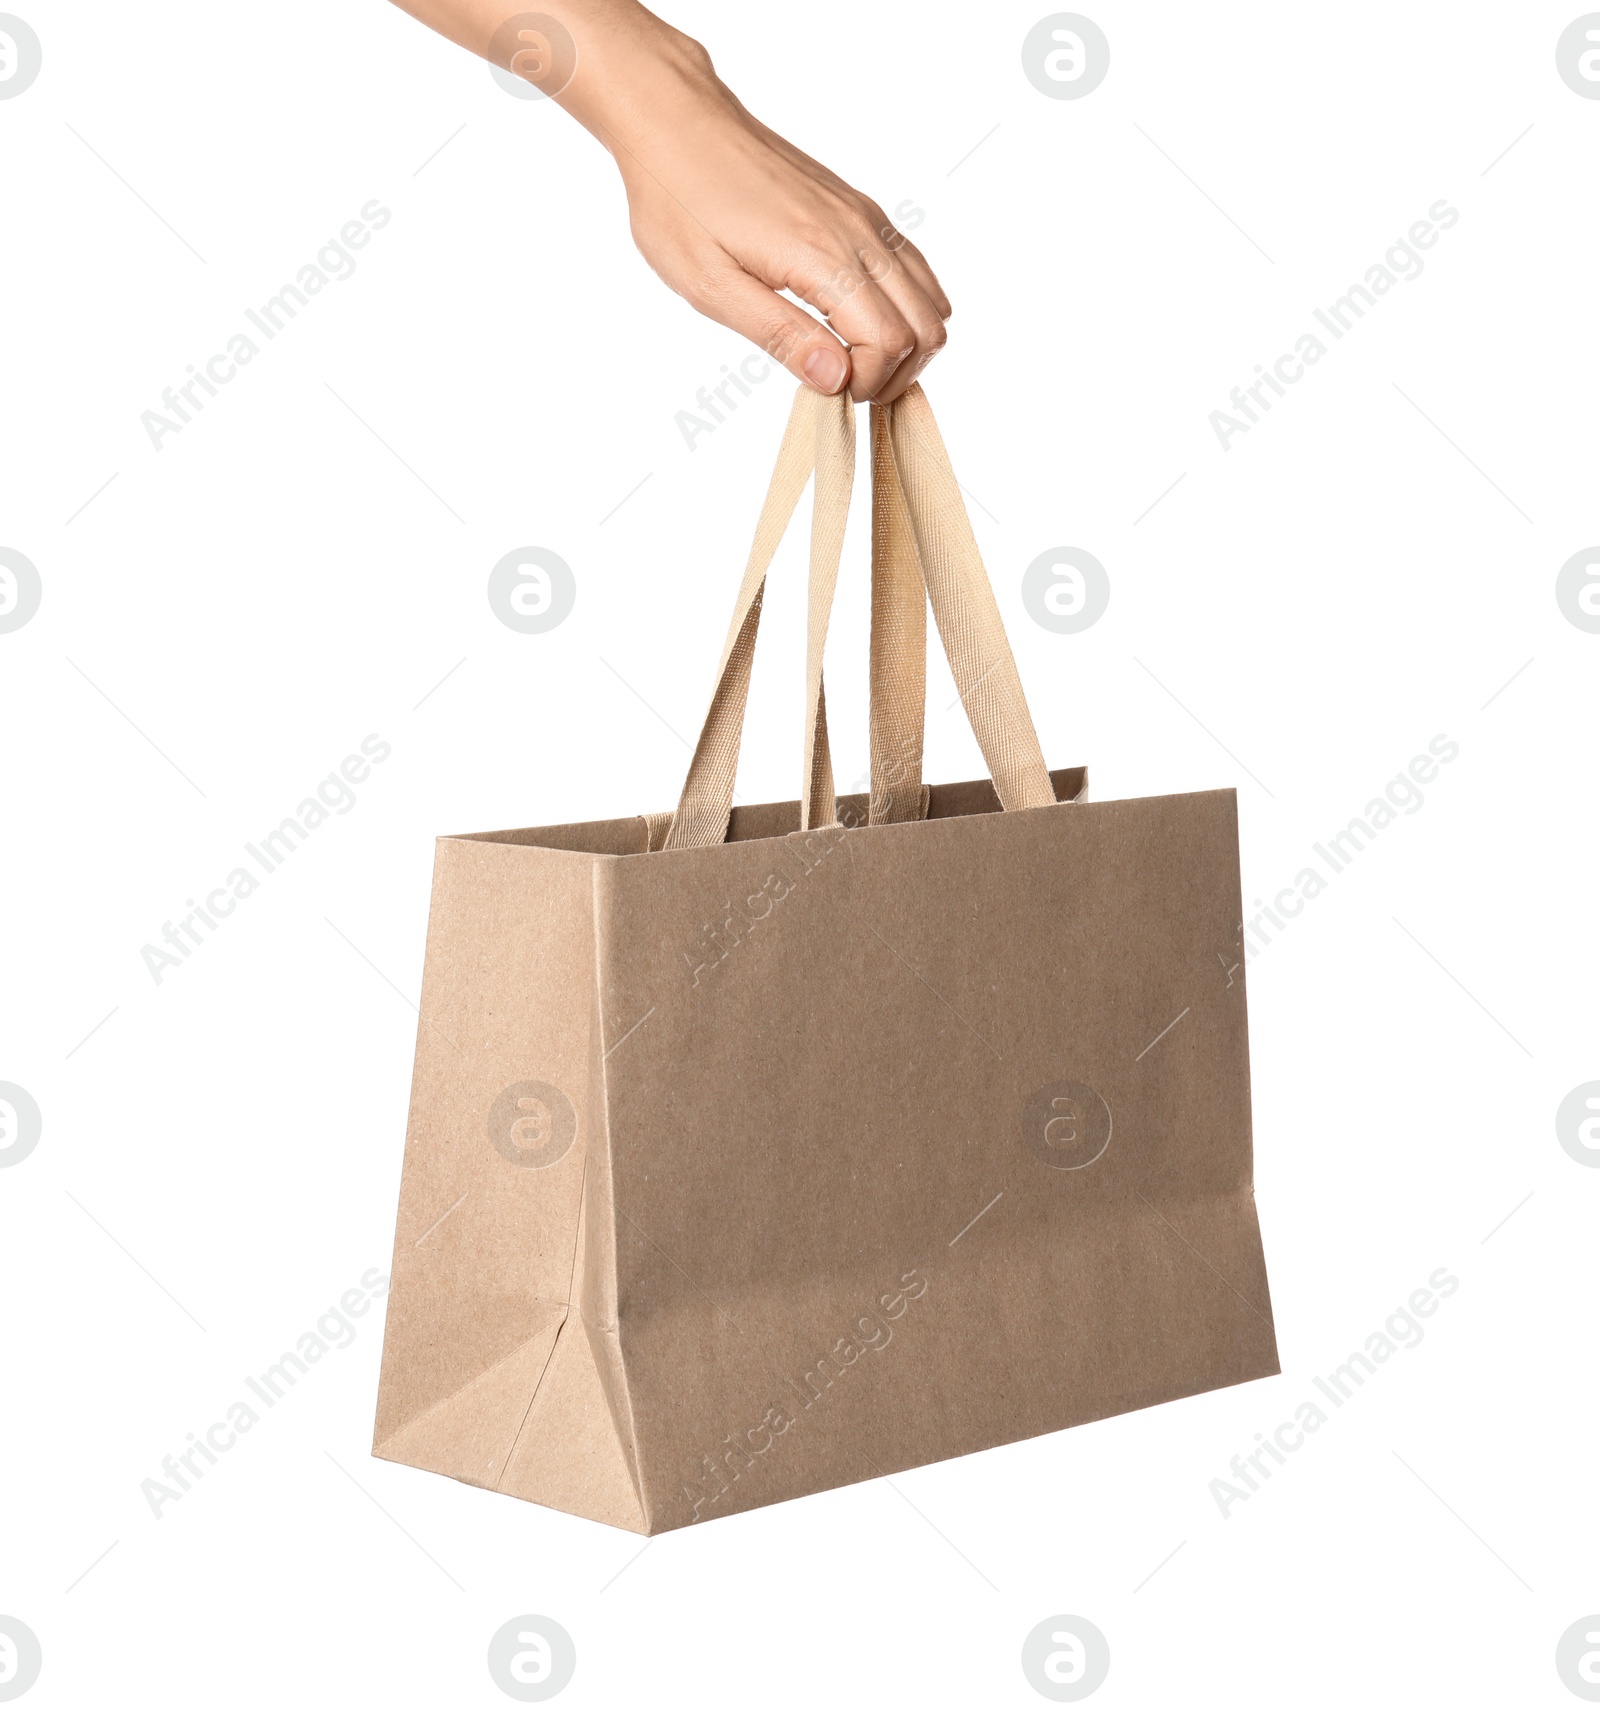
(758, 1150)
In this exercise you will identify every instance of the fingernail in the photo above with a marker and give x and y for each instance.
(825, 369)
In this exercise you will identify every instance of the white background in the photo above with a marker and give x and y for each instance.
(1326, 596)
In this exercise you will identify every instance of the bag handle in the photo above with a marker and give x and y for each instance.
(922, 541)
(898, 660)
(820, 438)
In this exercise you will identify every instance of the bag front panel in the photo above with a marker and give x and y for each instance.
(924, 1138)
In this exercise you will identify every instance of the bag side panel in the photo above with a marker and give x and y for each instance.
(576, 1450)
(495, 1147)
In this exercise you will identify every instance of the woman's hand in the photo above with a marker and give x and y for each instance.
(730, 215)
(727, 213)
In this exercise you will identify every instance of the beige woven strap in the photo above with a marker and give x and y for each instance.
(921, 541)
(830, 507)
(898, 662)
(821, 436)
(927, 497)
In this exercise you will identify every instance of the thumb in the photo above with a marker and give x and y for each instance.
(809, 351)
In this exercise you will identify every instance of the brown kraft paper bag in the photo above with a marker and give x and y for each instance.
(756, 1151)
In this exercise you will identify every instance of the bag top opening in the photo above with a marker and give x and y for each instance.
(628, 836)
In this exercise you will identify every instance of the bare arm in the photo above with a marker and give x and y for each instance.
(724, 210)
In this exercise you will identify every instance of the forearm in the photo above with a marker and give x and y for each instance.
(631, 69)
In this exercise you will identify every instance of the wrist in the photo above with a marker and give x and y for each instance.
(637, 78)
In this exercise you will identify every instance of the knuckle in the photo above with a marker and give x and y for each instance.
(873, 226)
(696, 56)
(897, 339)
(818, 242)
(825, 280)
(703, 290)
(782, 340)
(875, 262)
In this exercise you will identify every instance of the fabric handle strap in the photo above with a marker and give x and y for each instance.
(820, 437)
(922, 540)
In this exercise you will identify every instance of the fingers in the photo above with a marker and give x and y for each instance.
(871, 324)
(921, 311)
(884, 305)
(783, 330)
(890, 320)
(906, 255)
(916, 264)
(916, 292)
